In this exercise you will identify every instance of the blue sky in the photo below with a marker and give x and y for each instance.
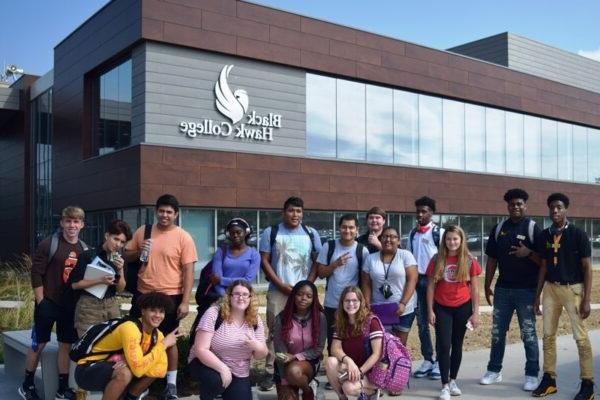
(31, 28)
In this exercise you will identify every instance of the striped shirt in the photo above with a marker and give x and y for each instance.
(354, 346)
(228, 342)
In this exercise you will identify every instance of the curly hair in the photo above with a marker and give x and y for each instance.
(463, 264)
(251, 313)
(516, 194)
(425, 202)
(343, 327)
(155, 300)
(315, 312)
(558, 197)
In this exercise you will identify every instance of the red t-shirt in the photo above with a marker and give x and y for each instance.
(448, 292)
(354, 346)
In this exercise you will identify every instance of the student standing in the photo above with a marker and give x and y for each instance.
(452, 303)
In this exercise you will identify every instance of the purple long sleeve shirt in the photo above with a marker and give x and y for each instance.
(245, 266)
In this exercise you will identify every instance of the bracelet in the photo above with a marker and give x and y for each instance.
(343, 358)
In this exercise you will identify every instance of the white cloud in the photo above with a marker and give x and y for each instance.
(593, 54)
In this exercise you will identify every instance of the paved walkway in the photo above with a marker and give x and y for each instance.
(473, 366)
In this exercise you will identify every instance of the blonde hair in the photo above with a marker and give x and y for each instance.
(343, 327)
(463, 263)
(251, 313)
(73, 212)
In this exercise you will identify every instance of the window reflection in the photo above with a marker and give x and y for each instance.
(593, 155)
(514, 143)
(406, 128)
(430, 131)
(549, 149)
(475, 138)
(351, 120)
(533, 134)
(380, 125)
(454, 134)
(565, 156)
(580, 148)
(495, 141)
(322, 222)
(472, 226)
(320, 116)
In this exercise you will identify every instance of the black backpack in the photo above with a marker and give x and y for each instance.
(83, 346)
(435, 233)
(54, 241)
(359, 258)
(275, 230)
(133, 267)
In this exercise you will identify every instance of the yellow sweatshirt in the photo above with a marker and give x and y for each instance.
(126, 339)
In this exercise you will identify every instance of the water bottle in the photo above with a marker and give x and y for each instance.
(144, 255)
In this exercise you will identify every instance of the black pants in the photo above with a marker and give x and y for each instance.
(211, 385)
(330, 317)
(450, 328)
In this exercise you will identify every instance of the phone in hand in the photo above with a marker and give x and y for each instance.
(343, 376)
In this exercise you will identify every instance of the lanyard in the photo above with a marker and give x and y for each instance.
(387, 271)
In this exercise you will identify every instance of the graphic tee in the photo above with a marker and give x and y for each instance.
(448, 291)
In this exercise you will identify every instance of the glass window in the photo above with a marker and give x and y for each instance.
(472, 227)
(42, 166)
(488, 225)
(322, 221)
(533, 151)
(549, 149)
(225, 215)
(380, 124)
(565, 157)
(406, 128)
(593, 155)
(112, 128)
(430, 131)
(454, 134)
(200, 224)
(595, 238)
(580, 149)
(320, 116)
(514, 143)
(407, 223)
(351, 120)
(449, 220)
(474, 138)
(495, 140)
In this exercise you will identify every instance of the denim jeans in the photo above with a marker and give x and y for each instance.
(422, 319)
(506, 302)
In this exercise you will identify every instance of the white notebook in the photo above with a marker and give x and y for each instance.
(94, 270)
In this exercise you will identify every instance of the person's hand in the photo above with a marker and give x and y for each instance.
(119, 365)
(106, 279)
(171, 338)
(252, 343)
(183, 310)
(119, 262)
(286, 289)
(214, 279)
(146, 245)
(342, 260)
(400, 310)
(374, 240)
(225, 377)
(289, 358)
(520, 251)
(474, 320)
(353, 370)
(431, 317)
(536, 306)
(488, 294)
(584, 309)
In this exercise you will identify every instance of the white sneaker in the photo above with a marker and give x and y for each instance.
(435, 372)
(454, 389)
(445, 393)
(491, 377)
(424, 369)
(531, 382)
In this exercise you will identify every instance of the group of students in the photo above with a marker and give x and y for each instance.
(373, 288)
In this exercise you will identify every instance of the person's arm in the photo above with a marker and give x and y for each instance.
(430, 296)
(38, 269)
(585, 307)
(540, 287)
(132, 249)
(316, 242)
(138, 363)
(188, 282)
(412, 276)
(338, 352)
(217, 268)
(256, 341)
(272, 276)
(279, 344)
(119, 264)
(377, 347)
(366, 287)
(490, 271)
(474, 288)
(314, 353)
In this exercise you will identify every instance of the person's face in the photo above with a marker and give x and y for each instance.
(71, 227)
(516, 208)
(375, 222)
(153, 316)
(237, 235)
(424, 214)
(166, 216)
(453, 241)
(304, 298)
(389, 241)
(240, 298)
(351, 303)
(114, 243)
(348, 230)
(558, 212)
(292, 216)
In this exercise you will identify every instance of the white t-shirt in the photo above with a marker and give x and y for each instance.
(346, 275)
(423, 248)
(396, 278)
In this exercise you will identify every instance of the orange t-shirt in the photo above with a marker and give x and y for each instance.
(170, 251)
(448, 291)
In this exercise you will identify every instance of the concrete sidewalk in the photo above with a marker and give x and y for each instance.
(472, 368)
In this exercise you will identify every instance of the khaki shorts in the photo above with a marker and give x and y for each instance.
(91, 310)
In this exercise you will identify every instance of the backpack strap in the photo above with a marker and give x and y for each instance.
(153, 337)
(531, 230)
(311, 235)
(219, 321)
(435, 233)
(147, 231)
(498, 229)
(330, 250)
(411, 236)
(359, 256)
(53, 245)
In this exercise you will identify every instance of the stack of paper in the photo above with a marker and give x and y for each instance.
(96, 269)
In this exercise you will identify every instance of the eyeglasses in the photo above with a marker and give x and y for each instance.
(241, 295)
(391, 237)
(352, 301)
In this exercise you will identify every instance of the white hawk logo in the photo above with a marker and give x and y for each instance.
(233, 105)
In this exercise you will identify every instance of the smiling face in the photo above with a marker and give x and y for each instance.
(348, 230)
(292, 216)
(375, 222)
(240, 298)
(351, 303)
(516, 208)
(303, 299)
(389, 241)
(166, 216)
(71, 227)
(153, 316)
(452, 242)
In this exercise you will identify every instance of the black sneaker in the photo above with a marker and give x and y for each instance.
(28, 393)
(546, 387)
(170, 392)
(266, 384)
(586, 391)
(68, 394)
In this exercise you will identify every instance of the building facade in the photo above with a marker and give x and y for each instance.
(233, 107)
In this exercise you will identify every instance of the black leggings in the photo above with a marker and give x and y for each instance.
(211, 385)
(450, 328)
